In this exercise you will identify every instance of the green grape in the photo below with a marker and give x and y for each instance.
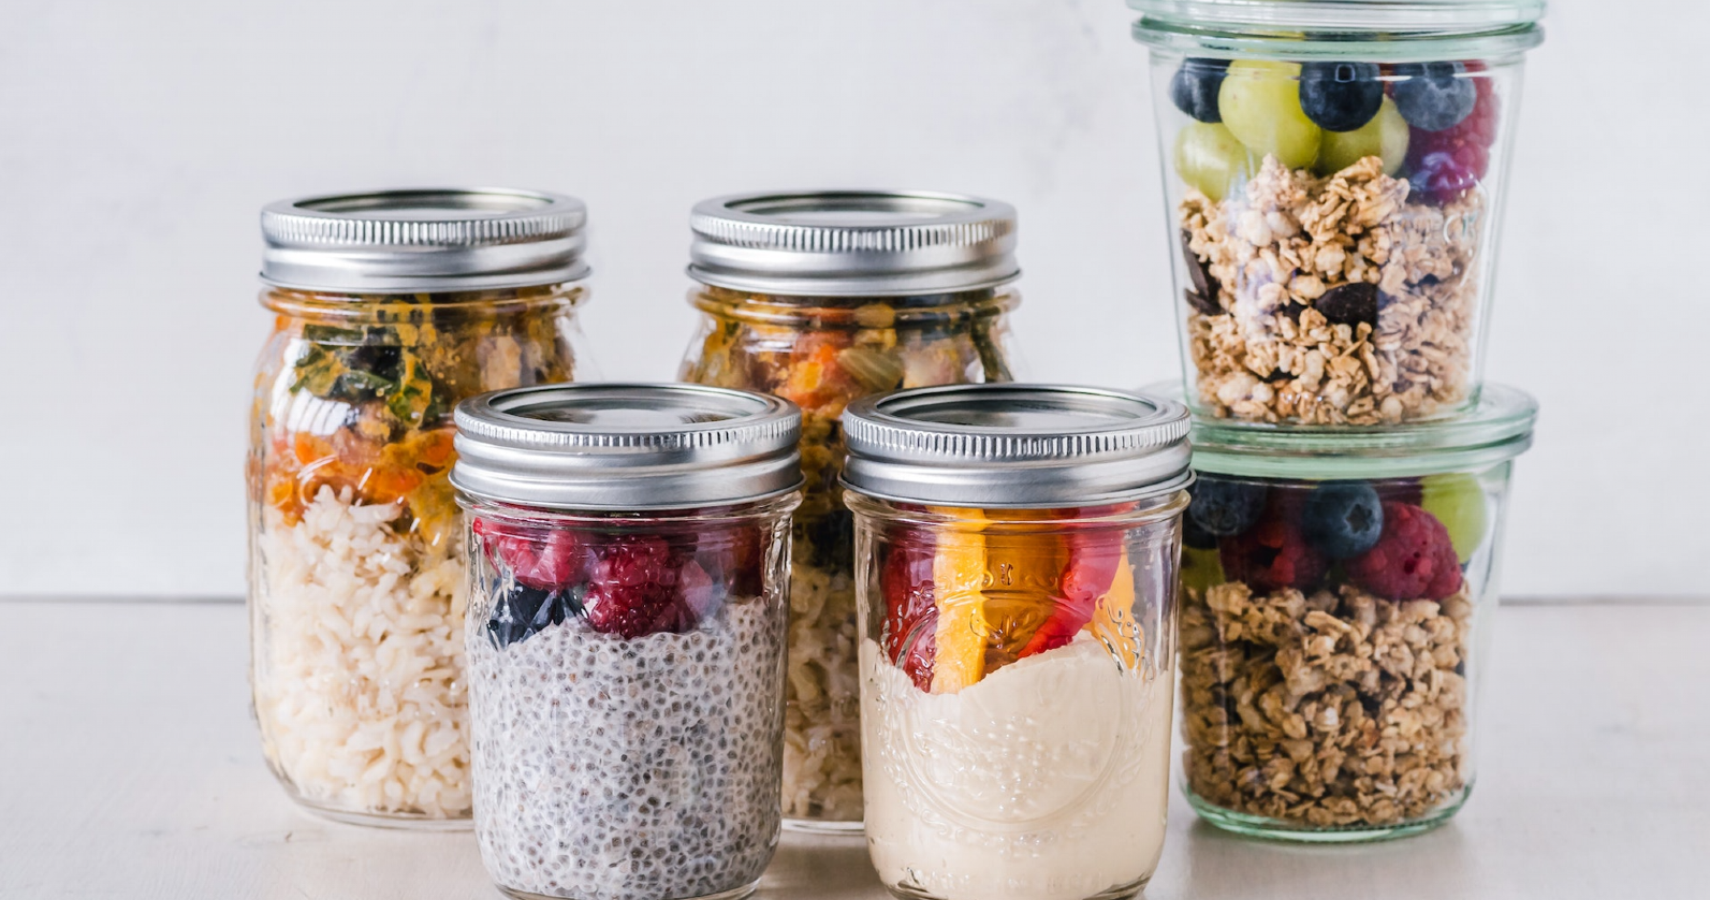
(1201, 569)
(1209, 158)
(1260, 102)
(1458, 501)
(1384, 136)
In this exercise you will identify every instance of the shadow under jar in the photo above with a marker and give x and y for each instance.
(1017, 551)
(389, 309)
(823, 298)
(1336, 595)
(1334, 173)
(626, 636)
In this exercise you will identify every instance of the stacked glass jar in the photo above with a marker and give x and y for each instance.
(390, 308)
(1333, 171)
(823, 298)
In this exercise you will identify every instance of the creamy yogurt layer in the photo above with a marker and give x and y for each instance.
(1047, 780)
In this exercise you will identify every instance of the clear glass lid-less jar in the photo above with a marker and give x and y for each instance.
(1334, 173)
(1336, 603)
(821, 298)
(389, 308)
(1016, 553)
(625, 635)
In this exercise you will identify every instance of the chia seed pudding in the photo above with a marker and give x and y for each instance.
(612, 768)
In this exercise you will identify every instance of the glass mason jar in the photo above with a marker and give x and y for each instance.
(808, 297)
(389, 309)
(1336, 595)
(1334, 172)
(1017, 552)
(625, 635)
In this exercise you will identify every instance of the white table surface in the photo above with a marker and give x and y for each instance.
(129, 767)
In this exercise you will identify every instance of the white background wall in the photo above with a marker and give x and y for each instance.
(138, 140)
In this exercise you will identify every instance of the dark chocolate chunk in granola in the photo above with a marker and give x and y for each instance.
(1350, 304)
(1199, 301)
(1199, 272)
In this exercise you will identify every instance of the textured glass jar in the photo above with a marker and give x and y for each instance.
(1333, 174)
(1017, 556)
(625, 636)
(1337, 590)
(823, 298)
(356, 561)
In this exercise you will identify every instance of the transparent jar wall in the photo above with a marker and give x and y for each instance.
(1017, 672)
(823, 353)
(1327, 277)
(1332, 636)
(356, 564)
(626, 679)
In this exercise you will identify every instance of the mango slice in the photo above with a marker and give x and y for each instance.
(958, 575)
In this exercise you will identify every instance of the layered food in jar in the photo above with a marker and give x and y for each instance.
(821, 347)
(1016, 678)
(1330, 638)
(1335, 201)
(626, 661)
(357, 573)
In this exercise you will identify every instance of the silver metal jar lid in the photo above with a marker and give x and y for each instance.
(626, 446)
(427, 239)
(852, 243)
(1015, 445)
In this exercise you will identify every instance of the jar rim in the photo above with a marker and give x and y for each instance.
(1497, 428)
(1372, 30)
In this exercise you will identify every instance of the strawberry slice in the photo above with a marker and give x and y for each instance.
(911, 613)
(1095, 555)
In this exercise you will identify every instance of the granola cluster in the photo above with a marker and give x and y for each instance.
(1331, 300)
(1334, 709)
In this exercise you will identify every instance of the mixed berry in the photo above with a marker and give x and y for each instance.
(1433, 123)
(1401, 539)
(619, 580)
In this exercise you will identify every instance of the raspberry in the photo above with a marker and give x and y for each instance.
(1446, 163)
(1413, 558)
(1274, 554)
(634, 589)
(550, 559)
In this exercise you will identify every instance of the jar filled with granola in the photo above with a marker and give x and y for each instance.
(1337, 588)
(1017, 549)
(629, 562)
(823, 298)
(1334, 172)
(389, 308)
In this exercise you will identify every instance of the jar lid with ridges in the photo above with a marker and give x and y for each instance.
(617, 446)
(427, 240)
(1015, 446)
(1371, 30)
(1494, 430)
(852, 243)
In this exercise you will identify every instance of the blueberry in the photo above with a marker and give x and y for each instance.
(522, 612)
(1342, 519)
(1340, 96)
(1194, 87)
(1349, 304)
(1193, 535)
(1431, 96)
(1226, 508)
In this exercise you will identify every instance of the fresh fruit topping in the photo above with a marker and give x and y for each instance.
(1193, 89)
(545, 558)
(1212, 160)
(1385, 136)
(1201, 568)
(1340, 96)
(1434, 95)
(1342, 518)
(958, 576)
(1444, 164)
(634, 589)
(522, 612)
(911, 613)
(1413, 558)
(1113, 619)
(1025, 566)
(1095, 555)
(1203, 295)
(1274, 554)
(734, 554)
(1458, 501)
(1193, 535)
(1349, 304)
(1226, 508)
(1260, 102)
